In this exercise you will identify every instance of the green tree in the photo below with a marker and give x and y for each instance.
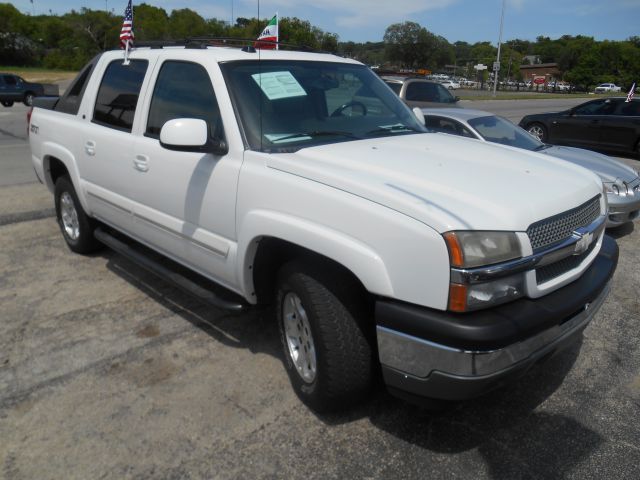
(185, 23)
(150, 23)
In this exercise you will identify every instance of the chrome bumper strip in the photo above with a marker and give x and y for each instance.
(418, 357)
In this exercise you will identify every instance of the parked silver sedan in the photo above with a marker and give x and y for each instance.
(621, 182)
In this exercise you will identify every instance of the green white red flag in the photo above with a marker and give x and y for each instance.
(269, 37)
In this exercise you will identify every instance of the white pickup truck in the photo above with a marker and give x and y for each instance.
(445, 265)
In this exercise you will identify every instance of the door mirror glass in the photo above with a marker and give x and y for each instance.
(419, 115)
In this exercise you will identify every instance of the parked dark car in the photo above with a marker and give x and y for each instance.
(15, 89)
(609, 124)
(420, 92)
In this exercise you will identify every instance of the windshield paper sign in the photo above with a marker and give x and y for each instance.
(276, 85)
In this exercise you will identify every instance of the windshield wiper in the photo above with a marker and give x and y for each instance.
(392, 129)
(544, 146)
(316, 133)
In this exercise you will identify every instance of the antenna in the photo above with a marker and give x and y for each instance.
(260, 77)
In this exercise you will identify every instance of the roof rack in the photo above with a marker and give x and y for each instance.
(246, 44)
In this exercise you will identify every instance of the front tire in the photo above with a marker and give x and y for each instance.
(76, 226)
(538, 130)
(327, 348)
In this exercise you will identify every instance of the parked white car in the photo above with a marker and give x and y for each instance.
(607, 87)
(301, 180)
(450, 84)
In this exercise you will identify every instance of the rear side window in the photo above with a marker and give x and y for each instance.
(118, 94)
(70, 102)
(628, 109)
(183, 90)
(395, 87)
(10, 80)
(428, 92)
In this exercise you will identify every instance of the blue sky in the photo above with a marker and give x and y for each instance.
(366, 20)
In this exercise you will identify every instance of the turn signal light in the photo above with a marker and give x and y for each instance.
(457, 297)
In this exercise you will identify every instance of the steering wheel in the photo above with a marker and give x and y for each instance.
(338, 111)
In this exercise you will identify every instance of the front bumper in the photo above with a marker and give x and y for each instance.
(435, 354)
(622, 209)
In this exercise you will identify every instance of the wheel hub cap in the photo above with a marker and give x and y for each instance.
(298, 335)
(69, 216)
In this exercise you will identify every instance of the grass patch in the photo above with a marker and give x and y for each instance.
(40, 75)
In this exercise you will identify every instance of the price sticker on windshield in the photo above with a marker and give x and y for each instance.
(276, 85)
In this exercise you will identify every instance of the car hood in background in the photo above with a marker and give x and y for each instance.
(446, 182)
(606, 167)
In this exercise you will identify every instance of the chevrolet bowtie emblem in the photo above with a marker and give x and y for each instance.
(582, 245)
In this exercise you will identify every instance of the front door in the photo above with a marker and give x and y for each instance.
(184, 202)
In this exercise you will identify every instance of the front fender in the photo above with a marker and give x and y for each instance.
(351, 253)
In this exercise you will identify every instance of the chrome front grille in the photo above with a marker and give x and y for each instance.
(553, 270)
(555, 229)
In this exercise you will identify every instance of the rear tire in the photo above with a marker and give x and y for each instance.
(538, 130)
(7, 103)
(328, 351)
(76, 226)
(28, 99)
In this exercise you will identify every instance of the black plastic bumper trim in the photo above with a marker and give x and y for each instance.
(506, 324)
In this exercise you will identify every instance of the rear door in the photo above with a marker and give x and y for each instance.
(184, 202)
(106, 150)
(619, 127)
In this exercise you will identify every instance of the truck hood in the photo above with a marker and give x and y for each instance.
(447, 182)
(608, 169)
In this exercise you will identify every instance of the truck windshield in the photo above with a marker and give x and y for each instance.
(286, 105)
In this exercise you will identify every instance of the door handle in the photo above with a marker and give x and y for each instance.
(90, 147)
(141, 163)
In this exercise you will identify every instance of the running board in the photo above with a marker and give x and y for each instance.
(154, 267)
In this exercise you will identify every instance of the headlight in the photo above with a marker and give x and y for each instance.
(469, 250)
(474, 249)
(611, 188)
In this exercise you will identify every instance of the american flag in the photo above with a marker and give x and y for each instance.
(631, 93)
(126, 33)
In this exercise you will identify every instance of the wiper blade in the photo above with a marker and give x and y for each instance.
(315, 133)
(392, 129)
(544, 146)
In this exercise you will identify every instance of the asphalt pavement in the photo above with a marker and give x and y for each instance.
(107, 372)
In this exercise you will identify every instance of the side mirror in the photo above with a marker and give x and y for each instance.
(190, 135)
(419, 115)
(456, 99)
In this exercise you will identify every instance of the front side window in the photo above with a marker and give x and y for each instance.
(285, 105)
(502, 131)
(598, 107)
(118, 94)
(183, 90)
(447, 125)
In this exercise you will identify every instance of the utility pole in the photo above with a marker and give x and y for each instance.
(496, 65)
